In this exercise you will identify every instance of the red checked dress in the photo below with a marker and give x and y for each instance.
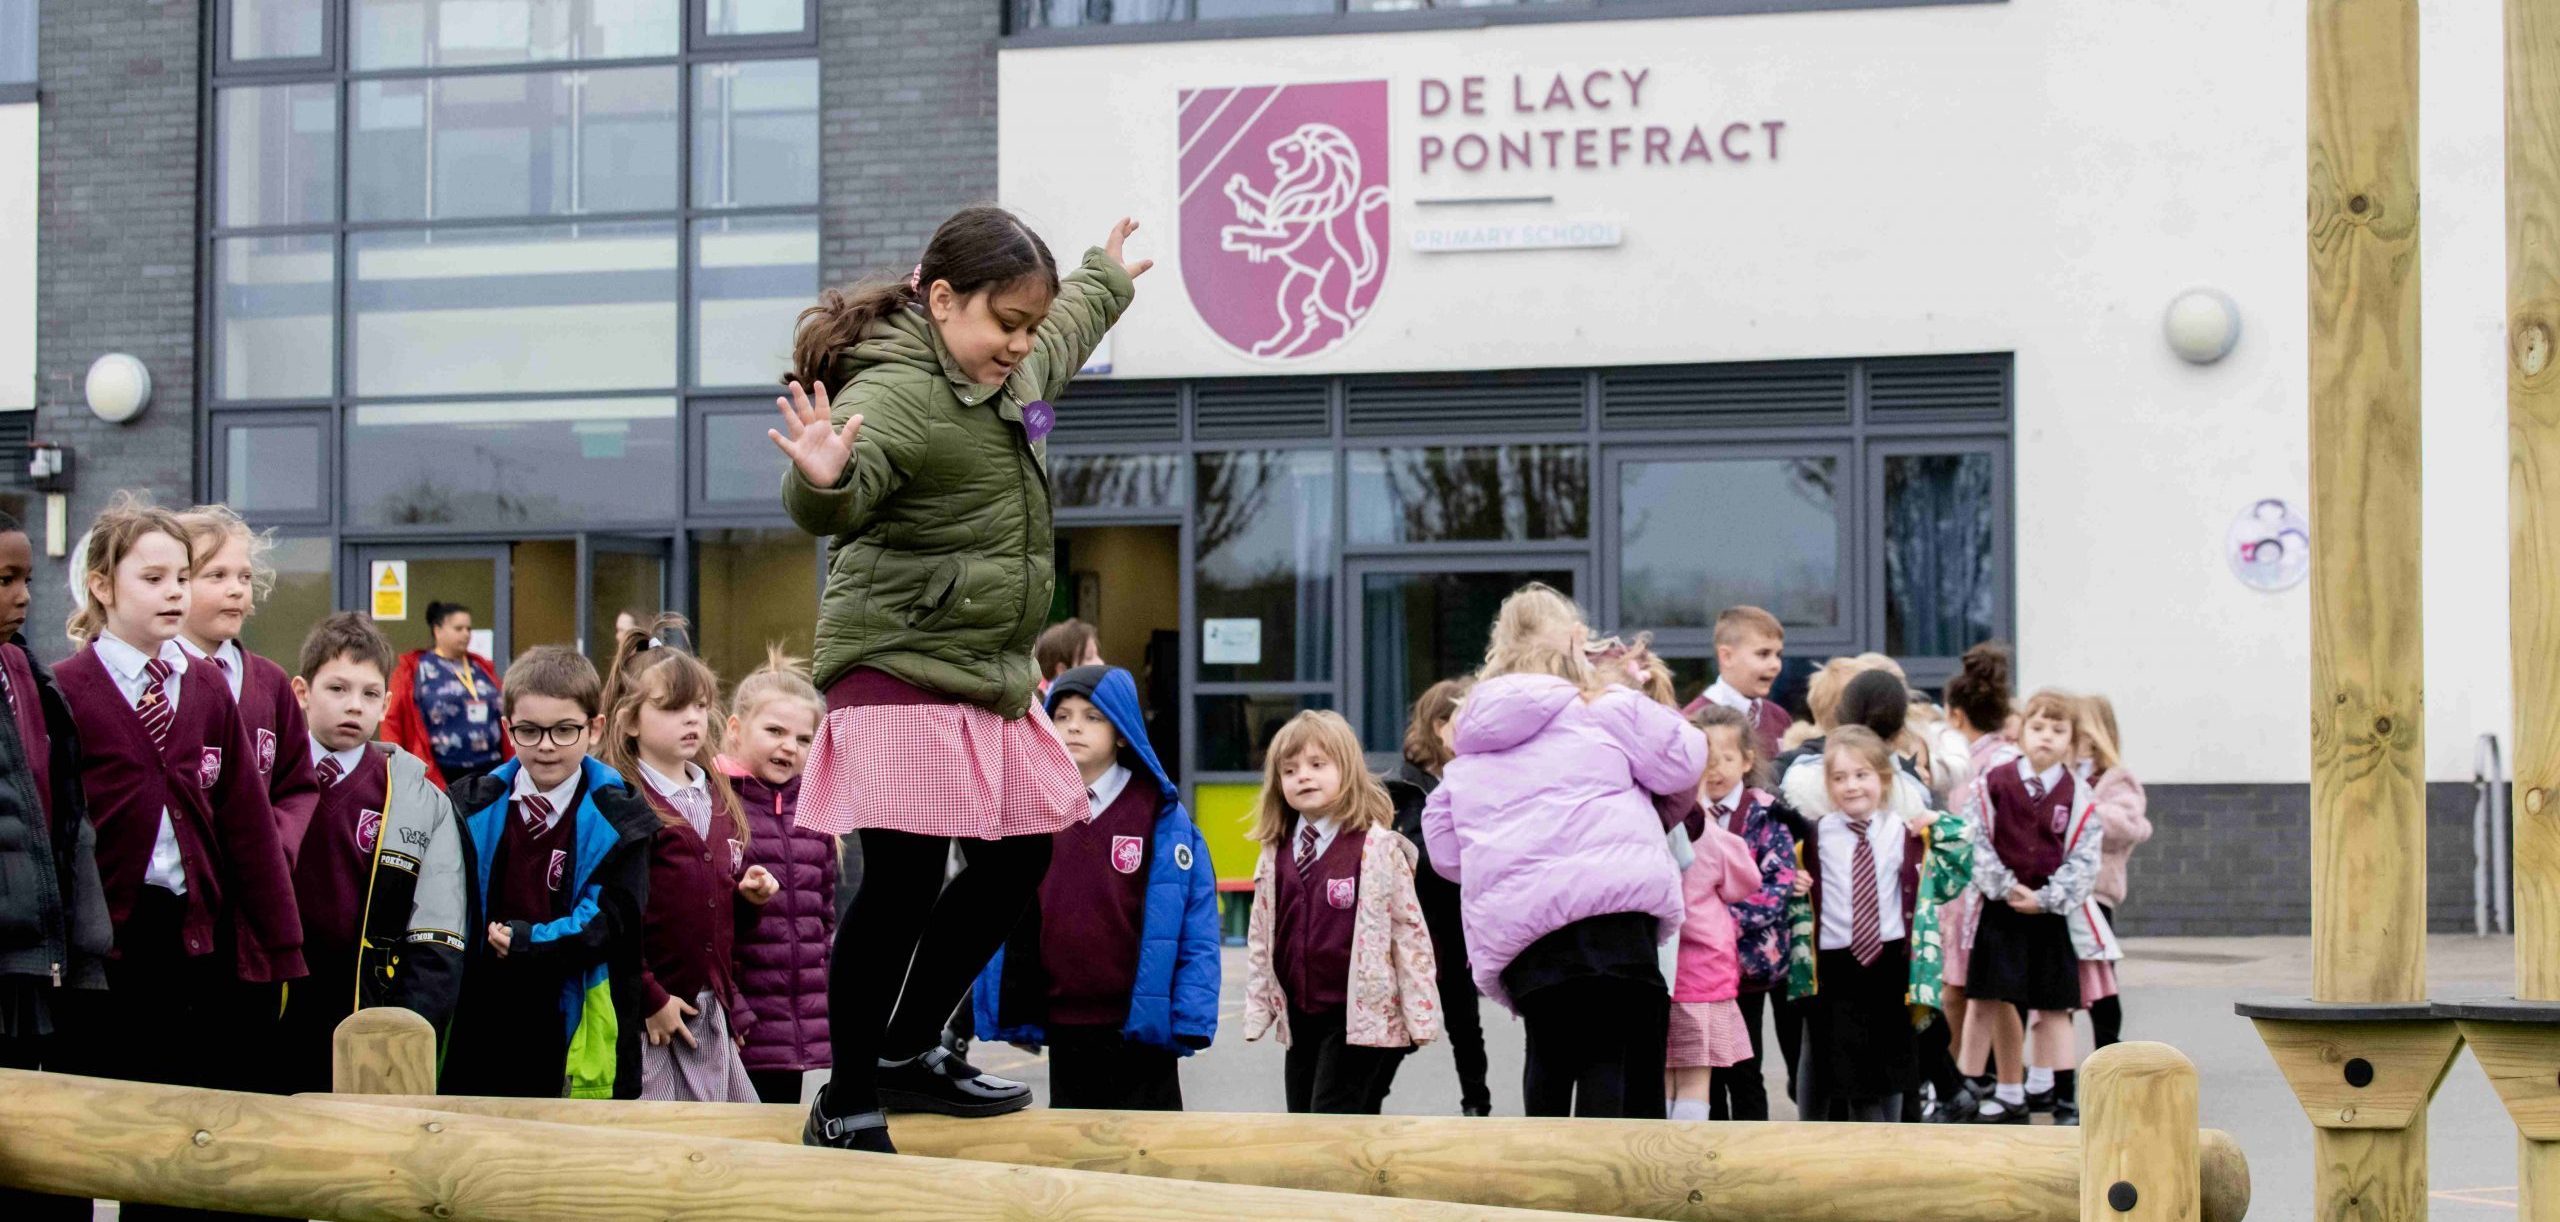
(894, 755)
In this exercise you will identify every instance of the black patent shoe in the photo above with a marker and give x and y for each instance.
(2007, 1114)
(942, 1083)
(2066, 1111)
(866, 1131)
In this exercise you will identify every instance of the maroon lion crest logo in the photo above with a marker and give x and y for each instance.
(1126, 853)
(1283, 211)
(559, 871)
(1340, 892)
(368, 830)
(266, 752)
(209, 768)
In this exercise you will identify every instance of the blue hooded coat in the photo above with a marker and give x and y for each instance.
(1174, 1005)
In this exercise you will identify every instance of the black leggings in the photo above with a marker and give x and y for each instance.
(1740, 1091)
(2106, 1015)
(1460, 1017)
(1595, 1049)
(910, 946)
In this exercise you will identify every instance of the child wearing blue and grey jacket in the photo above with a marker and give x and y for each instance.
(1115, 968)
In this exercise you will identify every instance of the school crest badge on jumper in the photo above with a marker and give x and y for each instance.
(209, 768)
(1341, 892)
(266, 752)
(559, 871)
(737, 857)
(1283, 211)
(2061, 817)
(368, 831)
(1126, 853)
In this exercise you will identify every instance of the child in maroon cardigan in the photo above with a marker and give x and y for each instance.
(658, 704)
(782, 959)
(193, 871)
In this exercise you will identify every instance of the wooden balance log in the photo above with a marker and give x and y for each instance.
(334, 1158)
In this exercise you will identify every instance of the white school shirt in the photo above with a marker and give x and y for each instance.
(1104, 791)
(168, 869)
(558, 795)
(1721, 692)
(233, 666)
(691, 796)
(1887, 836)
(347, 759)
(1327, 827)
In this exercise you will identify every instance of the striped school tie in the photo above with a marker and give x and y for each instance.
(1306, 850)
(1866, 930)
(330, 771)
(157, 713)
(536, 811)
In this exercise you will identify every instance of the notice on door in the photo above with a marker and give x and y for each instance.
(1231, 642)
(390, 586)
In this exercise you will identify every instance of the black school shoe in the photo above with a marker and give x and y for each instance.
(2008, 1113)
(2039, 1101)
(867, 1131)
(1957, 1110)
(942, 1083)
(2066, 1111)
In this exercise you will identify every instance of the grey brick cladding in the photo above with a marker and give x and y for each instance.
(116, 205)
(2236, 859)
(907, 122)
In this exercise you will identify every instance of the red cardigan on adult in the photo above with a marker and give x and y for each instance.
(403, 726)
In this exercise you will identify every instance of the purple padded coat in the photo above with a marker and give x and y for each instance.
(782, 959)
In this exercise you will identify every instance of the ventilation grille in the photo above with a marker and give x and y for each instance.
(1473, 403)
(1265, 407)
(1121, 412)
(1921, 389)
(1692, 396)
(17, 443)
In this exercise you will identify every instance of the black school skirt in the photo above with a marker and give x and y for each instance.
(2025, 959)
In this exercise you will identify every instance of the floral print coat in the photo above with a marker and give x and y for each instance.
(1394, 994)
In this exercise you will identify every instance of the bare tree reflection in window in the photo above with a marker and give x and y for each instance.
(1938, 553)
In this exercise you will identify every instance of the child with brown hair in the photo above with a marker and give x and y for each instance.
(1736, 798)
(657, 729)
(1337, 958)
(1426, 753)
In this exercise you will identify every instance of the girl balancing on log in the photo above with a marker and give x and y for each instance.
(928, 471)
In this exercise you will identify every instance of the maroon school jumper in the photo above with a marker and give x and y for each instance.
(335, 865)
(1313, 958)
(217, 806)
(529, 873)
(694, 911)
(280, 742)
(2030, 837)
(1092, 906)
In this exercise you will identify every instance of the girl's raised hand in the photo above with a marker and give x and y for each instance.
(817, 448)
(1119, 237)
(759, 885)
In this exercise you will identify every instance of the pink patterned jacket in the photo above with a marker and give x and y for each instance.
(1394, 992)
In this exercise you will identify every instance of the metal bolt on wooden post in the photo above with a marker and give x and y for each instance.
(383, 1051)
(2138, 1150)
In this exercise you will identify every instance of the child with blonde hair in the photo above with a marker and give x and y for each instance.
(1337, 961)
(1548, 820)
(782, 959)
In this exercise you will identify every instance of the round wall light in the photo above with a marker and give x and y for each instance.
(2202, 325)
(119, 387)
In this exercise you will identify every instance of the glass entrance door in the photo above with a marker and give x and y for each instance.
(618, 576)
(1416, 622)
(398, 582)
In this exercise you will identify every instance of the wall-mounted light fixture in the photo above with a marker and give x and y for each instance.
(119, 387)
(2202, 325)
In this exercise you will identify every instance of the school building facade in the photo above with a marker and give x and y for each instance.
(1853, 309)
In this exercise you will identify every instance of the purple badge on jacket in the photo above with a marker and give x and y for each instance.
(1038, 418)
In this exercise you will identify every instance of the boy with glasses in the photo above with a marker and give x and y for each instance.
(559, 841)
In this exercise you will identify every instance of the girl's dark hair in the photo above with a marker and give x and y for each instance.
(1438, 703)
(980, 247)
(1877, 700)
(438, 613)
(1980, 691)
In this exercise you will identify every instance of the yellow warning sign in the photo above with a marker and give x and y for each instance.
(390, 589)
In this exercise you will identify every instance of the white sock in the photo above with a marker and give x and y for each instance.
(2039, 1079)
(1688, 1109)
(2010, 1093)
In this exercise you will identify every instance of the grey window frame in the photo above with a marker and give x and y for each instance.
(1931, 670)
(332, 18)
(1847, 620)
(699, 507)
(1343, 21)
(699, 38)
(1353, 611)
(218, 458)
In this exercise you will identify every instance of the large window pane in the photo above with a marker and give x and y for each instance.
(1043, 14)
(305, 593)
(1236, 731)
(272, 468)
(753, 588)
(751, 278)
(455, 33)
(275, 29)
(279, 151)
(1115, 481)
(755, 133)
(740, 465)
(1939, 563)
(274, 310)
(727, 17)
(18, 42)
(552, 462)
(542, 143)
(540, 308)
(1491, 493)
(1266, 539)
(1419, 628)
(1697, 537)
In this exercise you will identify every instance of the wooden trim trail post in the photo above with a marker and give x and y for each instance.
(2366, 1054)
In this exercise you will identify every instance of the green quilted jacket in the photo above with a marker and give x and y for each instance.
(939, 570)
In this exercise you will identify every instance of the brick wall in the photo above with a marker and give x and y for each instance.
(2236, 859)
(117, 190)
(907, 98)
